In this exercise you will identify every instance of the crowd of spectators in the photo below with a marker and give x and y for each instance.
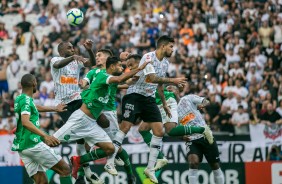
(229, 50)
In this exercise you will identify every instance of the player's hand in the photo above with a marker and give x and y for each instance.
(181, 81)
(143, 65)
(186, 138)
(88, 44)
(123, 56)
(201, 107)
(167, 111)
(51, 141)
(61, 107)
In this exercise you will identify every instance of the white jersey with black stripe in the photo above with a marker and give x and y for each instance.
(66, 81)
(188, 113)
(158, 67)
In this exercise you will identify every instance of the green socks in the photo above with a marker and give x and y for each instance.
(125, 158)
(80, 171)
(93, 155)
(185, 130)
(65, 180)
(147, 136)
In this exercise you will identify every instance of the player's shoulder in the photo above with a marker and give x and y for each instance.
(149, 55)
(54, 60)
(57, 58)
(22, 98)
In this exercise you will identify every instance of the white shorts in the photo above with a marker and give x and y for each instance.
(114, 127)
(80, 126)
(39, 158)
(172, 104)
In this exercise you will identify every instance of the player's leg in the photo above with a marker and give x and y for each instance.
(144, 130)
(63, 169)
(122, 154)
(42, 156)
(80, 144)
(130, 109)
(212, 155)
(119, 137)
(40, 178)
(195, 157)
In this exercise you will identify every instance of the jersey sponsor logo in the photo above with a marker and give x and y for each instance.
(189, 117)
(68, 80)
(129, 106)
(126, 113)
(103, 99)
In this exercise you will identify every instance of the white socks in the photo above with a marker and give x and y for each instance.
(218, 176)
(155, 147)
(193, 176)
(80, 149)
(117, 143)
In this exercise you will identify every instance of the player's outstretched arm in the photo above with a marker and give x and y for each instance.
(58, 108)
(63, 62)
(88, 46)
(49, 140)
(153, 78)
(125, 76)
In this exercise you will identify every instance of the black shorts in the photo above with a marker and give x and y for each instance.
(202, 147)
(71, 107)
(135, 105)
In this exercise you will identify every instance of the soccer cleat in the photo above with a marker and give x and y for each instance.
(161, 163)
(75, 161)
(94, 179)
(80, 180)
(110, 168)
(119, 162)
(150, 173)
(131, 179)
(208, 134)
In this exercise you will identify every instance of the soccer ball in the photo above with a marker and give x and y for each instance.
(75, 16)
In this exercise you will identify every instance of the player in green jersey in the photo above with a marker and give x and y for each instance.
(100, 58)
(35, 153)
(82, 122)
(110, 113)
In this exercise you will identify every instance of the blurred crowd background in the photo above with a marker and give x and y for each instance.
(229, 50)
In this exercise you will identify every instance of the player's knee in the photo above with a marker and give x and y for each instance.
(125, 126)
(110, 149)
(65, 170)
(41, 181)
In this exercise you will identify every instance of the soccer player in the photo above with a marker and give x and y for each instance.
(140, 101)
(169, 117)
(198, 145)
(82, 124)
(65, 72)
(35, 153)
(110, 112)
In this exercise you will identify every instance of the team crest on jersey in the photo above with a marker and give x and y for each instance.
(98, 70)
(126, 113)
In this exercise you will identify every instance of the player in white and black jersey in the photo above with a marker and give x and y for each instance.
(65, 72)
(198, 145)
(140, 102)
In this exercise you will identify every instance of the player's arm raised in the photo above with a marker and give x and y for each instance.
(49, 140)
(88, 46)
(125, 76)
(153, 78)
